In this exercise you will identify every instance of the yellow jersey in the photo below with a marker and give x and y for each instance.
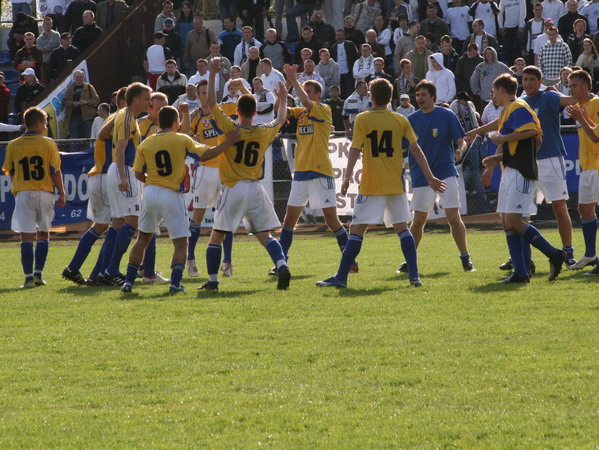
(378, 134)
(147, 128)
(31, 160)
(588, 151)
(230, 109)
(313, 130)
(102, 153)
(202, 126)
(125, 129)
(162, 158)
(243, 160)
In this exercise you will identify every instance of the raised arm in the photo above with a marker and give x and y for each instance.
(281, 93)
(216, 65)
(291, 74)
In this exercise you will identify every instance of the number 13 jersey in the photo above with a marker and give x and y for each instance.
(243, 160)
(380, 135)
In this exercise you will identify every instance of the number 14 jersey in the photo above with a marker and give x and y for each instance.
(380, 135)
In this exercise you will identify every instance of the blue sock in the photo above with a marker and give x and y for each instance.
(41, 253)
(514, 245)
(285, 239)
(98, 267)
(341, 235)
(536, 239)
(121, 244)
(27, 258)
(131, 273)
(350, 253)
(108, 247)
(194, 229)
(275, 250)
(408, 247)
(85, 245)
(589, 231)
(213, 255)
(149, 262)
(569, 251)
(228, 248)
(527, 253)
(176, 274)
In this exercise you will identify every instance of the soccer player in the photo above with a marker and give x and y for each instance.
(33, 162)
(160, 165)
(313, 178)
(124, 190)
(98, 207)
(240, 169)
(437, 129)
(378, 135)
(206, 182)
(516, 140)
(550, 155)
(588, 185)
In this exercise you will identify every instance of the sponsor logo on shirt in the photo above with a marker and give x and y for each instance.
(306, 129)
(210, 133)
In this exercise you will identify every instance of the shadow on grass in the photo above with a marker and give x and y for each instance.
(498, 286)
(349, 292)
(404, 276)
(87, 291)
(9, 290)
(228, 293)
(272, 278)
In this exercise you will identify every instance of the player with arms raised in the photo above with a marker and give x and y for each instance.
(378, 135)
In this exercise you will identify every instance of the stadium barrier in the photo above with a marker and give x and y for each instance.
(77, 160)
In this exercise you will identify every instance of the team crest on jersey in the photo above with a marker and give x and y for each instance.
(305, 129)
(435, 132)
(206, 123)
(210, 133)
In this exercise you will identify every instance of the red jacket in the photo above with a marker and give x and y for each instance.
(4, 100)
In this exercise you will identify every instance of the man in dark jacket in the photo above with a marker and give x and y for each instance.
(108, 12)
(308, 40)
(565, 24)
(481, 38)
(87, 34)
(323, 32)
(450, 56)
(465, 68)
(29, 56)
(349, 53)
(74, 16)
(434, 24)
(27, 92)
(60, 56)
(22, 25)
(173, 39)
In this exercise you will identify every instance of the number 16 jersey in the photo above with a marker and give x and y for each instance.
(380, 135)
(243, 160)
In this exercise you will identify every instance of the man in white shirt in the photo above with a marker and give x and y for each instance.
(591, 12)
(265, 103)
(155, 60)
(458, 18)
(542, 39)
(512, 14)
(354, 104)
(270, 77)
(487, 11)
(310, 74)
(242, 49)
(190, 97)
(202, 74)
(364, 65)
(235, 74)
(553, 9)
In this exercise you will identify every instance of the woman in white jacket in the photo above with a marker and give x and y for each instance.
(443, 79)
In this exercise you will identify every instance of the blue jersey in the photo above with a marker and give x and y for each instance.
(436, 132)
(546, 105)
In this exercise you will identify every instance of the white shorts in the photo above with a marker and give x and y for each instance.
(34, 211)
(320, 192)
(388, 209)
(123, 203)
(588, 187)
(206, 187)
(98, 206)
(163, 204)
(552, 179)
(516, 194)
(424, 197)
(249, 201)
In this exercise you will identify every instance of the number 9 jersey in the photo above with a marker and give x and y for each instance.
(162, 158)
(243, 160)
(31, 160)
(380, 135)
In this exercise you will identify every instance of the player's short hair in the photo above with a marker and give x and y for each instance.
(167, 117)
(380, 91)
(266, 61)
(428, 86)
(507, 82)
(34, 115)
(121, 94)
(105, 107)
(134, 90)
(159, 96)
(170, 61)
(201, 83)
(246, 105)
(583, 76)
(472, 46)
(445, 38)
(315, 85)
(534, 71)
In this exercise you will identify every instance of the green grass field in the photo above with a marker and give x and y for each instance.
(462, 361)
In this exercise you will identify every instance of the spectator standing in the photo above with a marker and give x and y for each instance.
(588, 59)
(488, 12)
(542, 39)
(74, 14)
(173, 40)
(434, 24)
(108, 12)
(419, 57)
(379, 71)
(27, 92)
(198, 43)
(512, 14)
(465, 68)
(308, 40)
(22, 24)
(172, 83)
(223, 75)
(443, 78)
(553, 9)
(575, 40)
(345, 53)
(480, 37)
(458, 19)
(352, 33)
(47, 42)
(184, 23)
(5, 95)
(357, 102)
(301, 8)
(228, 8)
(236, 75)
(55, 9)
(328, 70)
(310, 73)
(336, 104)
(88, 33)
(279, 5)
(378, 50)
(364, 13)
(405, 44)
(230, 38)
(29, 56)
(155, 59)
(201, 73)
(450, 56)
(250, 69)
(166, 13)
(275, 50)
(333, 12)
(270, 76)
(553, 56)
(265, 103)
(405, 108)
(364, 65)
(532, 30)
(80, 101)
(565, 24)
(242, 49)
(485, 73)
(103, 112)
(323, 32)
(406, 82)
(252, 14)
(23, 6)
(190, 97)
(60, 57)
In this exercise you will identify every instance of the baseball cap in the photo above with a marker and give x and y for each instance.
(549, 21)
(169, 22)
(29, 71)
(404, 96)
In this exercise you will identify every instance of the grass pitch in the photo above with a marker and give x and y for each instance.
(462, 361)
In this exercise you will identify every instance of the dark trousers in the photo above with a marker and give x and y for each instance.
(512, 45)
(347, 84)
